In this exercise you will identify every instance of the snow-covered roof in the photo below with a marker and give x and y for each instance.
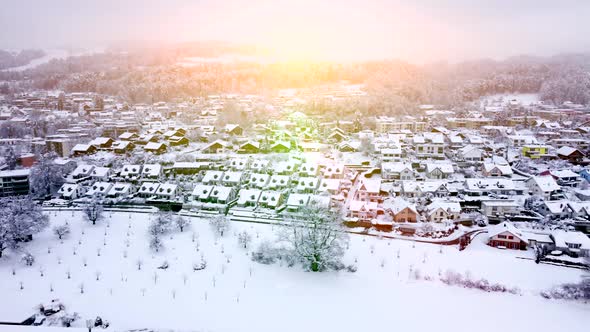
(120, 144)
(238, 163)
(489, 184)
(564, 173)
(128, 170)
(202, 191)
(396, 205)
(100, 172)
(167, 189)
(151, 170)
(329, 185)
(68, 189)
(467, 149)
(232, 177)
(99, 188)
(566, 150)
(259, 179)
(81, 148)
(154, 146)
(503, 169)
(100, 141)
(298, 200)
(148, 188)
(285, 166)
(556, 207)
(309, 167)
(192, 165)
(212, 176)
(259, 164)
(563, 238)
(333, 168)
(449, 206)
(120, 188)
(249, 196)
(357, 206)
(307, 183)
(458, 139)
(422, 186)
(83, 170)
(545, 183)
(371, 185)
(126, 135)
(444, 167)
(271, 198)
(396, 167)
(279, 180)
(221, 193)
(506, 227)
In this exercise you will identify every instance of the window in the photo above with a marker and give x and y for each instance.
(574, 245)
(501, 236)
(510, 237)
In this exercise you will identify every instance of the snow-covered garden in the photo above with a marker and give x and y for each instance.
(200, 280)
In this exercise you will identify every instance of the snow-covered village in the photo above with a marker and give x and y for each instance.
(204, 187)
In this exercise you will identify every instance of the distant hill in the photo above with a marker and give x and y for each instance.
(16, 59)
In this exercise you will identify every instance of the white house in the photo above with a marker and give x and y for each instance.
(249, 197)
(544, 186)
(576, 244)
(121, 189)
(439, 170)
(279, 181)
(307, 184)
(131, 172)
(397, 171)
(270, 199)
(70, 191)
(148, 189)
(101, 173)
(99, 189)
(231, 179)
(201, 192)
(82, 171)
(296, 201)
(440, 210)
(498, 208)
(496, 170)
(470, 153)
(258, 180)
(167, 191)
(212, 177)
(151, 171)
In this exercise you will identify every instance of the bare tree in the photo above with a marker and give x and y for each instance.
(61, 231)
(316, 237)
(181, 223)
(93, 211)
(244, 239)
(219, 224)
(20, 219)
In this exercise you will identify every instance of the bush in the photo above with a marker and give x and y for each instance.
(578, 291)
(28, 259)
(457, 279)
(266, 254)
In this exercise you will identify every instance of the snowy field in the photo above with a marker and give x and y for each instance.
(235, 294)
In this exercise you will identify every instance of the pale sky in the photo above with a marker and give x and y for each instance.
(416, 31)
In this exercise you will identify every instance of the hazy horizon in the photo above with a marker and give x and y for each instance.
(420, 31)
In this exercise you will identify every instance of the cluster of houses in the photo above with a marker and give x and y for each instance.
(433, 168)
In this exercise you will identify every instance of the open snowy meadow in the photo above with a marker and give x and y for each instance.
(109, 270)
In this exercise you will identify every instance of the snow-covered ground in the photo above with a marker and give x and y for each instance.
(522, 98)
(246, 296)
